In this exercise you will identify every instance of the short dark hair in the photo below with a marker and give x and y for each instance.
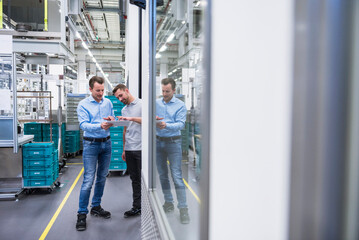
(119, 86)
(97, 79)
(166, 81)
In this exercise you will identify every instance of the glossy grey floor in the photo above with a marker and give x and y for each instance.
(28, 217)
(184, 231)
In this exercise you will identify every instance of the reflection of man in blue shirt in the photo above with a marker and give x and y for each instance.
(173, 111)
(92, 113)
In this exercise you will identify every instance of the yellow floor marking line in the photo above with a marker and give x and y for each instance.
(194, 194)
(74, 163)
(53, 219)
(188, 186)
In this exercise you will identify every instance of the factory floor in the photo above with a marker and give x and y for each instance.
(43, 215)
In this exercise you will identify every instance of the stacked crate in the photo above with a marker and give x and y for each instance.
(117, 164)
(197, 142)
(72, 142)
(72, 101)
(40, 165)
(55, 133)
(41, 132)
(185, 138)
(35, 129)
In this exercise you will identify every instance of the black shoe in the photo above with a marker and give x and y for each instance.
(98, 211)
(133, 212)
(184, 215)
(81, 222)
(168, 207)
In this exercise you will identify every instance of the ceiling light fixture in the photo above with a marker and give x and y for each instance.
(90, 53)
(78, 35)
(163, 48)
(97, 65)
(84, 45)
(171, 37)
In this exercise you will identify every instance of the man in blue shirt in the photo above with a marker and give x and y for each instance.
(92, 113)
(168, 144)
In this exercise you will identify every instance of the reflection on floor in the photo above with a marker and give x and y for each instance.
(28, 217)
(185, 231)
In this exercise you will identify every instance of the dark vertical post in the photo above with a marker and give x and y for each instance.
(319, 118)
(9, 13)
(139, 53)
(152, 93)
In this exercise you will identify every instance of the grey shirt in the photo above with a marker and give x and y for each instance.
(133, 131)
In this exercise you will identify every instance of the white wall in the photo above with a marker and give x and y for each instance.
(56, 69)
(132, 63)
(250, 117)
(145, 93)
(132, 59)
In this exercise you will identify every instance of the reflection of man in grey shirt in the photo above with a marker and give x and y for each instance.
(132, 143)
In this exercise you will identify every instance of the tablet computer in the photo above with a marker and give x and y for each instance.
(124, 123)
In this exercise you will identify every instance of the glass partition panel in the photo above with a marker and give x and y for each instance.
(179, 78)
(6, 105)
(6, 84)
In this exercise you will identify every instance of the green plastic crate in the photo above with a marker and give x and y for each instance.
(117, 150)
(38, 172)
(116, 158)
(116, 135)
(37, 162)
(38, 182)
(118, 129)
(117, 143)
(118, 166)
(32, 127)
(37, 150)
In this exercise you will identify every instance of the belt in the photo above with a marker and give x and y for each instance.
(168, 138)
(97, 139)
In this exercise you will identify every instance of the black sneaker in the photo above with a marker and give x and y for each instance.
(133, 212)
(184, 215)
(81, 222)
(168, 207)
(98, 211)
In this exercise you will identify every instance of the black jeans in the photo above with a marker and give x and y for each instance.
(134, 166)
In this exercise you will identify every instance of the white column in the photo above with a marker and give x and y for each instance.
(132, 60)
(251, 69)
(164, 69)
(145, 94)
(82, 81)
(190, 23)
(93, 69)
(181, 46)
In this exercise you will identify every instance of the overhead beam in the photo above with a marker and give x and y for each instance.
(100, 58)
(100, 51)
(42, 60)
(42, 46)
(93, 9)
(33, 34)
(169, 54)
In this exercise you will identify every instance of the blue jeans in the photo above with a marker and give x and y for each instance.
(95, 154)
(172, 151)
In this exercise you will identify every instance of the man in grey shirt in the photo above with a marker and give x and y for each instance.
(131, 143)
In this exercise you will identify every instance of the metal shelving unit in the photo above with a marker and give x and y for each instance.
(41, 95)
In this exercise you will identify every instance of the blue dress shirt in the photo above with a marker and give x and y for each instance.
(91, 113)
(174, 115)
